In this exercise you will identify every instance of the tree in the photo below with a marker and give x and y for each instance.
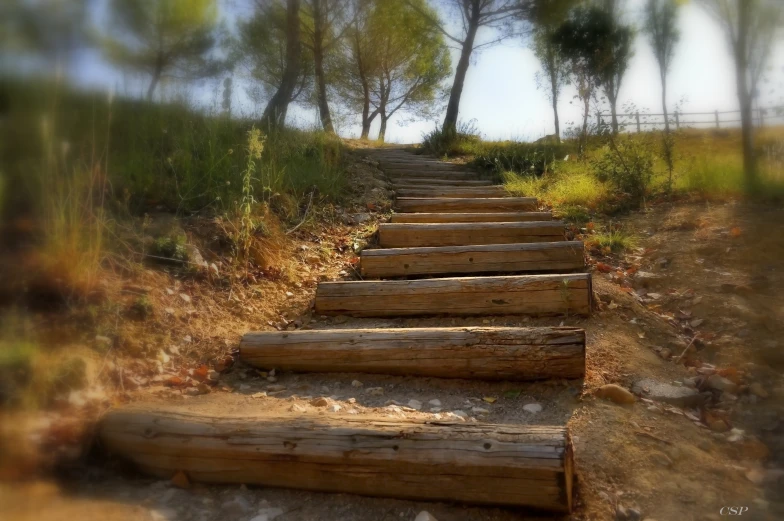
(502, 15)
(751, 27)
(411, 60)
(261, 49)
(554, 74)
(164, 39)
(324, 23)
(598, 50)
(358, 63)
(575, 42)
(274, 116)
(616, 55)
(661, 17)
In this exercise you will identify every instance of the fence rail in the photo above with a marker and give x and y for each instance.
(640, 120)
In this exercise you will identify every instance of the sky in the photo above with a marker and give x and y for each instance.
(500, 96)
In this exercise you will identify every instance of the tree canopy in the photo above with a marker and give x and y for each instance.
(164, 39)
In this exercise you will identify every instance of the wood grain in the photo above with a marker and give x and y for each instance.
(458, 296)
(467, 205)
(430, 181)
(426, 217)
(513, 465)
(407, 235)
(463, 260)
(436, 191)
(487, 353)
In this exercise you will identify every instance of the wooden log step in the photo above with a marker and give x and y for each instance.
(442, 191)
(419, 161)
(458, 296)
(408, 235)
(470, 217)
(512, 465)
(454, 260)
(466, 205)
(416, 172)
(487, 353)
(430, 181)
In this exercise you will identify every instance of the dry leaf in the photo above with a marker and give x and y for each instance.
(180, 480)
(490, 399)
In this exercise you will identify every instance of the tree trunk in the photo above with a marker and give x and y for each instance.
(382, 131)
(554, 91)
(318, 60)
(274, 115)
(745, 95)
(156, 76)
(453, 108)
(612, 96)
(664, 101)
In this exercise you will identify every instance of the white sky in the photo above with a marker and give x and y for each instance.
(500, 92)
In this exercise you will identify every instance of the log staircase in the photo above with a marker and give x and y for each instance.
(458, 246)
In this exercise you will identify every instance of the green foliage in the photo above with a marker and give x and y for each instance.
(163, 155)
(171, 247)
(260, 41)
(164, 38)
(661, 24)
(522, 158)
(566, 186)
(627, 164)
(396, 61)
(574, 214)
(142, 308)
(449, 143)
(616, 240)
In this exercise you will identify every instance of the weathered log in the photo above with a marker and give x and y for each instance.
(409, 235)
(418, 181)
(460, 296)
(487, 353)
(440, 192)
(456, 260)
(466, 205)
(438, 174)
(470, 217)
(514, 465)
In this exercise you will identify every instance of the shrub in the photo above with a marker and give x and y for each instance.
(627, 164)
(452, 143)
(522, 158)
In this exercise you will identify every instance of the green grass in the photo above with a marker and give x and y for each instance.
(616, 241)
(168, 155)
(569, 186)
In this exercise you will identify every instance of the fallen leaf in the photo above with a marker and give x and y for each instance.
(513, 394)
(201, 373)
(603, 268)
(490, 399)
(736, 232)
(180, 480)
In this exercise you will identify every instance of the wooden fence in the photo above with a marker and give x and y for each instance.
(718, 119)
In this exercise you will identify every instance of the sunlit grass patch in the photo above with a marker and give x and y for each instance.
(615, 240)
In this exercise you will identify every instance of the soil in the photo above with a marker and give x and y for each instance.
(709, 274)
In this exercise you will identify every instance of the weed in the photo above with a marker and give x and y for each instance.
(614, 240)
(170, 248)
